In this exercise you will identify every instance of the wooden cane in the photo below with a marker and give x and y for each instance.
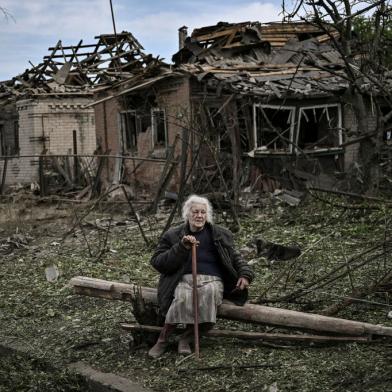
(195, 302)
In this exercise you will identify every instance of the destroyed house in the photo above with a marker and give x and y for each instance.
(44, 111)
(243, 104)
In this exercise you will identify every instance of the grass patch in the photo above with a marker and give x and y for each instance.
(59, 327)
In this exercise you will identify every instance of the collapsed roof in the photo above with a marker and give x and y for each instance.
(83, 68)
(273, 60)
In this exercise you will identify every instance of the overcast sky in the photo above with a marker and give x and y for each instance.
(36, 25)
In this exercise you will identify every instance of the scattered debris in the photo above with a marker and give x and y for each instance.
(289, 197)
(15, 241)
(51, 320)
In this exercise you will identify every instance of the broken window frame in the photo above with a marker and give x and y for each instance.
(338, 126)
(155, 143)
(291, 119)
(129, 138)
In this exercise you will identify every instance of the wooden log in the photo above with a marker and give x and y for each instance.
(222, 333)
(251, 313)
(295, 319)
(111, 290)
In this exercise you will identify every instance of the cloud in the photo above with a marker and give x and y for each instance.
(158, 32)
(74, 18)
(39, 24)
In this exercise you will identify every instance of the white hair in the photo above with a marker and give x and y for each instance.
(194, 199)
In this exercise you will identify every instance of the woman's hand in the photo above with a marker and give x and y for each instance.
(242, 283)
(188, 241)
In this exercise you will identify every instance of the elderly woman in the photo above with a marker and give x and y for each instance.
(221, 273)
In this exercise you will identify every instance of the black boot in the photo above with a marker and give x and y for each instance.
(161, 345)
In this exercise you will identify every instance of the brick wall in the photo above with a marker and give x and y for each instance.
(47, 125)
(174, 97)
(108, 134)
(8, 123)
(107, 130)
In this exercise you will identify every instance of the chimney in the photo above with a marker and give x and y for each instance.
(182, 35)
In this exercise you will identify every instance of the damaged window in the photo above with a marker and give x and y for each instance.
(273, 128)
(130, 124)
(158, 122)
(319, 127)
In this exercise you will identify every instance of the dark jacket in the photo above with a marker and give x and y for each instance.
(170, 259)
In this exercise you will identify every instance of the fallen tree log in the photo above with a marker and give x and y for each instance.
(249, 312)
(222, 333)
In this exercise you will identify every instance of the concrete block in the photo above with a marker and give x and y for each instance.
(103, 382)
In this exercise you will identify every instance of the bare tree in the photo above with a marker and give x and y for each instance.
(6, 13)
(365, 66)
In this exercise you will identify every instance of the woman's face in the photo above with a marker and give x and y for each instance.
(197, 216)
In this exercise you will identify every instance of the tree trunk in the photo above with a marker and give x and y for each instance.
(250, 313)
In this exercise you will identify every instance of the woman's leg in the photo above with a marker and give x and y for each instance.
(161, 345)
(183, 343)
(188, 336)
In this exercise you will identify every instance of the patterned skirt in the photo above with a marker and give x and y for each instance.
(210, 293)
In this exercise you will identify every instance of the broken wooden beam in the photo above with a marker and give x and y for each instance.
(264, 336)
(249, 312)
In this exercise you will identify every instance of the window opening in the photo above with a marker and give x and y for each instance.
(129, 128)
(273, 128)
(319, 127)
(159, 136)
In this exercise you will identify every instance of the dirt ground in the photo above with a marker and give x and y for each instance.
(44, 244)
